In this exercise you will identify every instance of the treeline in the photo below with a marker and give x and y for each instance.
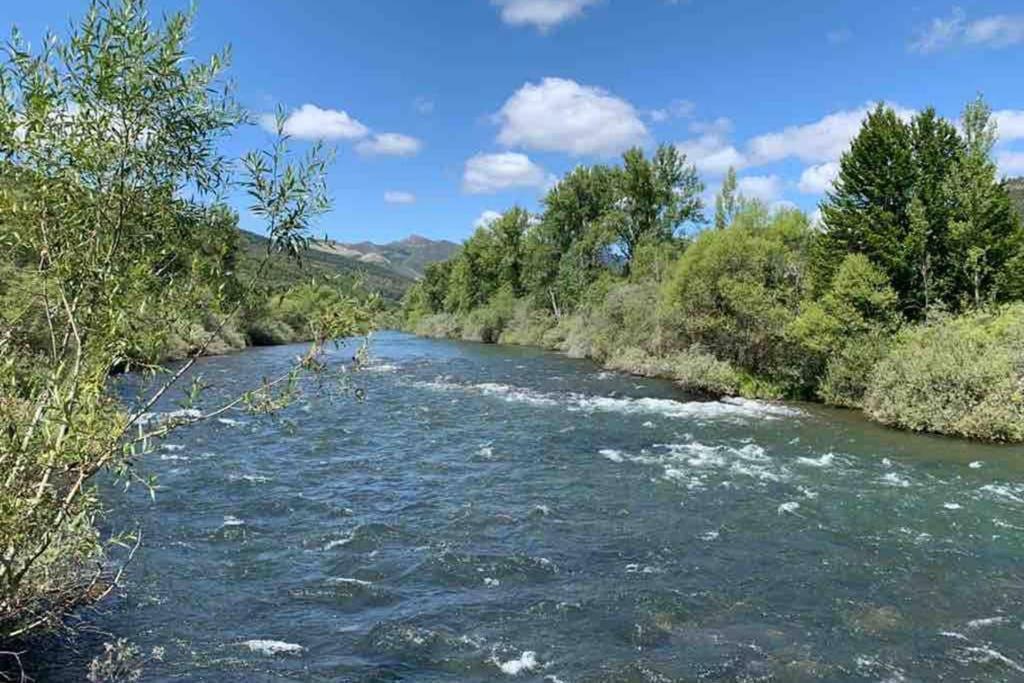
(904, 300)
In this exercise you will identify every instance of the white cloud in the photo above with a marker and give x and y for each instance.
(1010, 123)
(767, 188)
(817, 142)
(819, 178)
(542, 14)
(489, 173)
(1011, 163)
(712, 153)
(486, 218)
(940, 33)
(1001, 30)
(399, 197)
(390, 144)
(560, 115)
(996, 31)
(677, 109)
(310, 122)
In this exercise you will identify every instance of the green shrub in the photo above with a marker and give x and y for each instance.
(527, 326)
(737, 290)
(848, 372)
(439, 325)
(693, 369)
(962, 376)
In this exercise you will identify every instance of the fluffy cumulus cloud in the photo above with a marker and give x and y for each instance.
(1010, 123)
(389, 144)
(996, 31)
(711, 152)
(399, 197)
(767, 188)
(310, 122)
(541, 14)
(823, 140)
(486, 218)
(489, 173)
(818, 178)
(560, 115)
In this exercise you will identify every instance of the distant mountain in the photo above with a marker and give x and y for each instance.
(282, 272)
(406, 258)
(1016, 188)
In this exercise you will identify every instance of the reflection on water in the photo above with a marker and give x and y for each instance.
(494, 513)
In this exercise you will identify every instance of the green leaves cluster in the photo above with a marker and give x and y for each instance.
(113, 243)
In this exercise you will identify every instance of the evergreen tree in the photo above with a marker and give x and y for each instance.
(984, 231)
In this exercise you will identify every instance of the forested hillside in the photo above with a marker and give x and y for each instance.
(905, 302)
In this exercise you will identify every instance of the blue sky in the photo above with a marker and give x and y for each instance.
(444, 110)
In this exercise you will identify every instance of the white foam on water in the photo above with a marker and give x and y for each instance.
(230, 422)
(351, 582)
(893, 479)
(1006, 492)
(789, 508)
(824, 461)
(270, 648)
(381, 367)
(701, 410)
(808, 493)
(954, 635)
(986, 655)
(648, 425)
(231, 520)
(976, 465)
(175, 458)
(337, 543)
(172, 447)
(513, 667)
(491, 583)
(710, 535)
(184, 414)
(612, 454)
(251, 478)
(975, 624)
(952, 506)
(542, 510)
(1006, 525)
(486, 452)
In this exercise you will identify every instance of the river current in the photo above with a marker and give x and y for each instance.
(503, 514)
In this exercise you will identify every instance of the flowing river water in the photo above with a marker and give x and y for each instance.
(492, 513)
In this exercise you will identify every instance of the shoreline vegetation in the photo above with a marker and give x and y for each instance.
(902, 299)
(118, 254)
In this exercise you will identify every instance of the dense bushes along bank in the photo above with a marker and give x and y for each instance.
(904, 302)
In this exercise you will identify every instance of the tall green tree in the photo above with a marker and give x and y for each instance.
(654, 197)
(890, 165)
(984, 233)
(567, 245)
(726, 202)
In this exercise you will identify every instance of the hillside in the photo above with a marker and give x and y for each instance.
(282, 272)
(406, 258)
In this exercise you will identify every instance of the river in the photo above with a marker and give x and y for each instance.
(493, 513)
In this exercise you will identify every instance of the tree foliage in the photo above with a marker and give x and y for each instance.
(113, 241)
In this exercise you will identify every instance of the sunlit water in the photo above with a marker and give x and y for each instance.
(507, 514)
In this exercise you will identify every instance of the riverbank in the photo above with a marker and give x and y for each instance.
(954, 376)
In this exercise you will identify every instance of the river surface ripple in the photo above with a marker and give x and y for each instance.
(494, 514)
